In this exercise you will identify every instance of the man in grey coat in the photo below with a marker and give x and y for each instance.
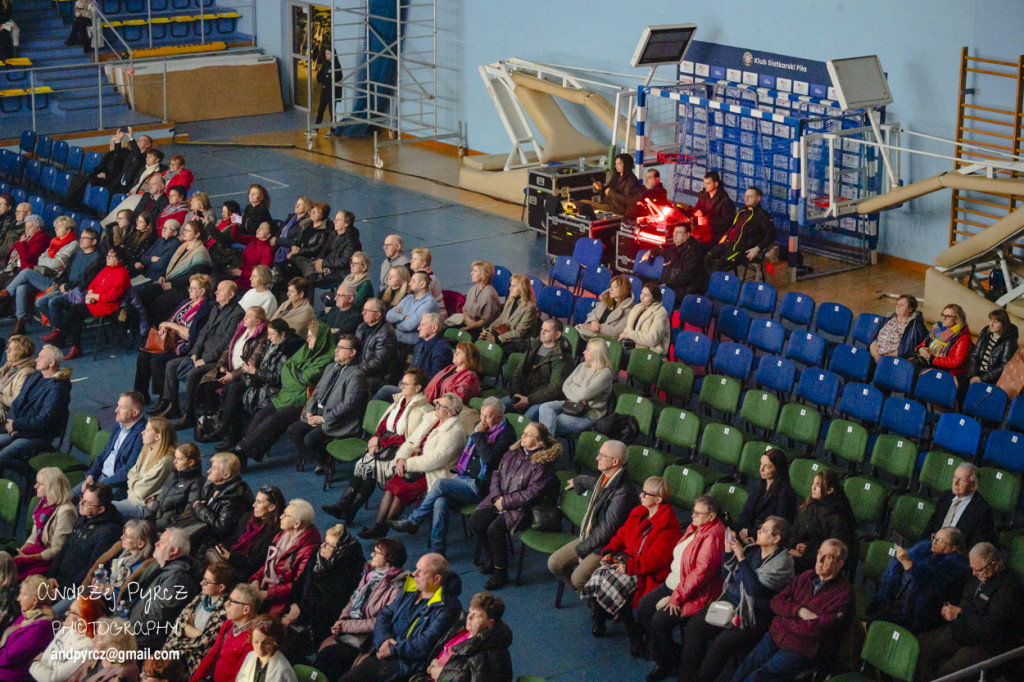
(165, 587)
(335, 410)
(211, 341)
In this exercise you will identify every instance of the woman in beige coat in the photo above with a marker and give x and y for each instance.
(53, 520)
(608, 318)
(296, 311)
(647, 325)
(519, 320)
(427, 456)
(151, 469)
(590, 384)
(20, 363)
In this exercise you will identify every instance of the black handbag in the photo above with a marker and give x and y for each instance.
(546, 518)
(207, 427)
(572, 408)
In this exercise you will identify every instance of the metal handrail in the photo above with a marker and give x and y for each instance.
(980, 668)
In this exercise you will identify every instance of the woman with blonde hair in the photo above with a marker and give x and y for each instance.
(292, 228)
(608, 318)
(151, 469)
(482, 304)
(201, 209)
(519, 320)
(21, 362)
(420, 262)
(397, 287)
(259, 293)
(30, 633)
(359, 277)
(52, 521)
(587, 392)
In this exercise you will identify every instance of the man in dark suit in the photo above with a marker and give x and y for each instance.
(122, 450)
(612, 497)
(964, 508)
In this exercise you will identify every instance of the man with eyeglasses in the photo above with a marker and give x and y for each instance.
(343, 317)
(393, 255)
(612, 497)
(920, 580)
(963, 508)
(985, 623)
(810, 615)
(98, 527)
(222, 662)
(335, 410)
(163, 589)
(381, 361)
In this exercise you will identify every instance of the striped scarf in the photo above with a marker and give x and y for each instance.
(941, 339)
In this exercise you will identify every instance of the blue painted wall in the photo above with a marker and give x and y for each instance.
(918, 41)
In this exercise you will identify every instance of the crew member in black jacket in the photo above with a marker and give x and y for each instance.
(750, 234)
(713, 211)
(684, 270)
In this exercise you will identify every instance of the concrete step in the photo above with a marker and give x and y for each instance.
(90, 104)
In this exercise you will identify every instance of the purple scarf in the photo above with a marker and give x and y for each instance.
(467, 452)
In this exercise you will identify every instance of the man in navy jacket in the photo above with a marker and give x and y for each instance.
(39, 413)
(122, 450)
(409, 628)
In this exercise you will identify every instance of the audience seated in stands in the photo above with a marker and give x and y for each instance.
(258, 291)
(177, 175)
(122, 449)
(14, 227)
(491, 438)
(24, 254)
(290, 230)
(249, 553)
(20, 364)
(165, 587)
(587, 392)
(476, 647)
(811, 614)
(920, 580)
(85, 265)
(750, 233)
(217, 517)
(306, 245)
(963, 508)
(420, 262)
(102, 299)
(774, 496)
(381, 358)
(394, 256)
(343, 317)
(684, 272)
(431, 354)
(38, 414)
(402, 418)
(406, 315)
(519, 320)
(52, 521)
(57, 662)
(8, 219)
(287, 556)
(341, 258)
(609, 316)
(408, 628)
(425, 458)
(176, 208)
(826, 513)
(613, 498)
(190, 258)
(266, 662)
(482, 303)
(335, 408)
(113, 648)
(546, 365)
(198, 624)
(996, 345)
(223, 660)
(296, 310)
(152, 467)
(396, 286)
(258, 210)
(648, 326)
(50, 265)
(97, 528)
(462, 377)
(124, 562)
(901, 333)
(754, 574)
(257, 252)
(525, 479)
(621, 190)
(983, 624)
(634, 562)
(693, 582)
(183, 486)
(30, 633)
(948, 345)
(714, 211)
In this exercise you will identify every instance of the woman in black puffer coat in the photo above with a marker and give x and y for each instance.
(484, 656)
(181, 488)
(825, 514)
(999, 342)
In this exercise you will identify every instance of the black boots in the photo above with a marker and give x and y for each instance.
(357, 493)
(498, 579)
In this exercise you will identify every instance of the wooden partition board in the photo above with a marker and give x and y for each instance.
(211, 92)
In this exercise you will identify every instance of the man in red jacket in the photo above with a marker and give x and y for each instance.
(222, 661)
(813, 609)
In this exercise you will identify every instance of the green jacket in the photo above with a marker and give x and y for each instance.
(303, 369)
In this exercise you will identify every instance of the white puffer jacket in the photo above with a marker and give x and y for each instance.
(441, 451)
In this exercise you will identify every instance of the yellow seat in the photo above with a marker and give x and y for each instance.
(12, 93)
(114, 24)
(229, 15)
(43, 90)
(160, 20)
(183, 18)
(134, 22)
(19, 61)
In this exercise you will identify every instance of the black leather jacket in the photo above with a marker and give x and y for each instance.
(180, 490)
(338, 249)
(1004, 349)
(312, 240)
(379, 356)
(223, 513)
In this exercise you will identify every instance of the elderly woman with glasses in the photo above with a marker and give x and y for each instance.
(325, 586)
(427, 456)
(377, 466)
(102, 299)
(198, 624)
(382, 581)
(124, 561)
(634, 562)
(288, 555)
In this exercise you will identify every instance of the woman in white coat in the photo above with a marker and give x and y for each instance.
(426, 457)
(647, 326)
(266, 662)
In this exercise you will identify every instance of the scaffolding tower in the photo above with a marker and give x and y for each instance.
(374, 39)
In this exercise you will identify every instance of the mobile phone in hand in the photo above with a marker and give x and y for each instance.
(236, 219)
(730, 537)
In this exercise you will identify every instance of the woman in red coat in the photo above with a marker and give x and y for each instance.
(102, 299)
(257, 252)
(461, 377)
(694, 580)
(287, 557)
(948, 345)
(34, 241)
(634, 561)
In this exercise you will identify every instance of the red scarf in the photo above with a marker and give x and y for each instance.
(57, 243)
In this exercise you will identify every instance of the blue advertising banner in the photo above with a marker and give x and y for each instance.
(752, 67)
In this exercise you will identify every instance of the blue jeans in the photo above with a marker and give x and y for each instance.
(130, 510)
(550, 416)
(15, 453)
(460, 490)
(54, 305)
(24, 287)
(386, 392)
(768, 663)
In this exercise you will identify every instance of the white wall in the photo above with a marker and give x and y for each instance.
(918, 42)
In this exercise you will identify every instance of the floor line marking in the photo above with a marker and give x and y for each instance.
(261, 177)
